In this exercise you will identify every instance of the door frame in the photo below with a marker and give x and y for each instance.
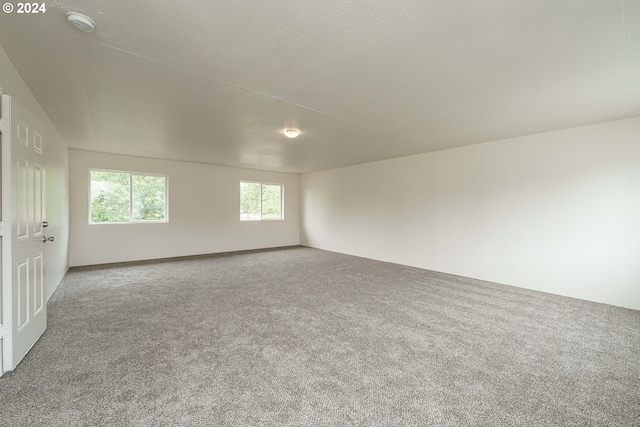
(5, 243)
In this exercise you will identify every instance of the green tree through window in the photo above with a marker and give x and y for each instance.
(118, 197)
(260, 201)
(149, 197)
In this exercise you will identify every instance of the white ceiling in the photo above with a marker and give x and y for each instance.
(217, 81)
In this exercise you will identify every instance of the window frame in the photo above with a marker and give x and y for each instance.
(261, 183)
(131, 220)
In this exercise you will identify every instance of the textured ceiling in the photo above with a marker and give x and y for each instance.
(217, 81)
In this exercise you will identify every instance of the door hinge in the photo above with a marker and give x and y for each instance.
(4, 331)
(4, 125)
(5, 228)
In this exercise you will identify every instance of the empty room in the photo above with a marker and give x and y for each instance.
(307, 213)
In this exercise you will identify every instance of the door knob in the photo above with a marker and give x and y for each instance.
(46, 239)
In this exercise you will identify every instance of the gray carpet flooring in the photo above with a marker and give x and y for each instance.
(304, 337)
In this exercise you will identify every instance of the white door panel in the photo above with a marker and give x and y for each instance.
(24, 310)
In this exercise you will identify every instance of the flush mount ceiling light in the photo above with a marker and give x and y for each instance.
(81, 22)
(291, 133)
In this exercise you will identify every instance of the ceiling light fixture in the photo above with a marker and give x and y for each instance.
(81, 22)
(291, 133)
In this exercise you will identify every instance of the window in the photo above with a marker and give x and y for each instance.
(118, 197)
(260, 201)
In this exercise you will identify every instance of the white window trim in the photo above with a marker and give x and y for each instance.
(131, 220)
(281, 185)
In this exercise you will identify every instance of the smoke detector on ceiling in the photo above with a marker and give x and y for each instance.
(81, 22)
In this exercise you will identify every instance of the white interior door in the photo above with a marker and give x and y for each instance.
(24, 308)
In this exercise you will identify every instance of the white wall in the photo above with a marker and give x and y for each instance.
(57, 166)
(204, 212)
(557, 212)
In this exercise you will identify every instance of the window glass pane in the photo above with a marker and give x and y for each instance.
(249, 201)
(109, 196)
(148, 198)
(271, 201)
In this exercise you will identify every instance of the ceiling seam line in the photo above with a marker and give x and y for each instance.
(240, 87)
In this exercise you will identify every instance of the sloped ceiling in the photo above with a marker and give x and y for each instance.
(217, 81)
